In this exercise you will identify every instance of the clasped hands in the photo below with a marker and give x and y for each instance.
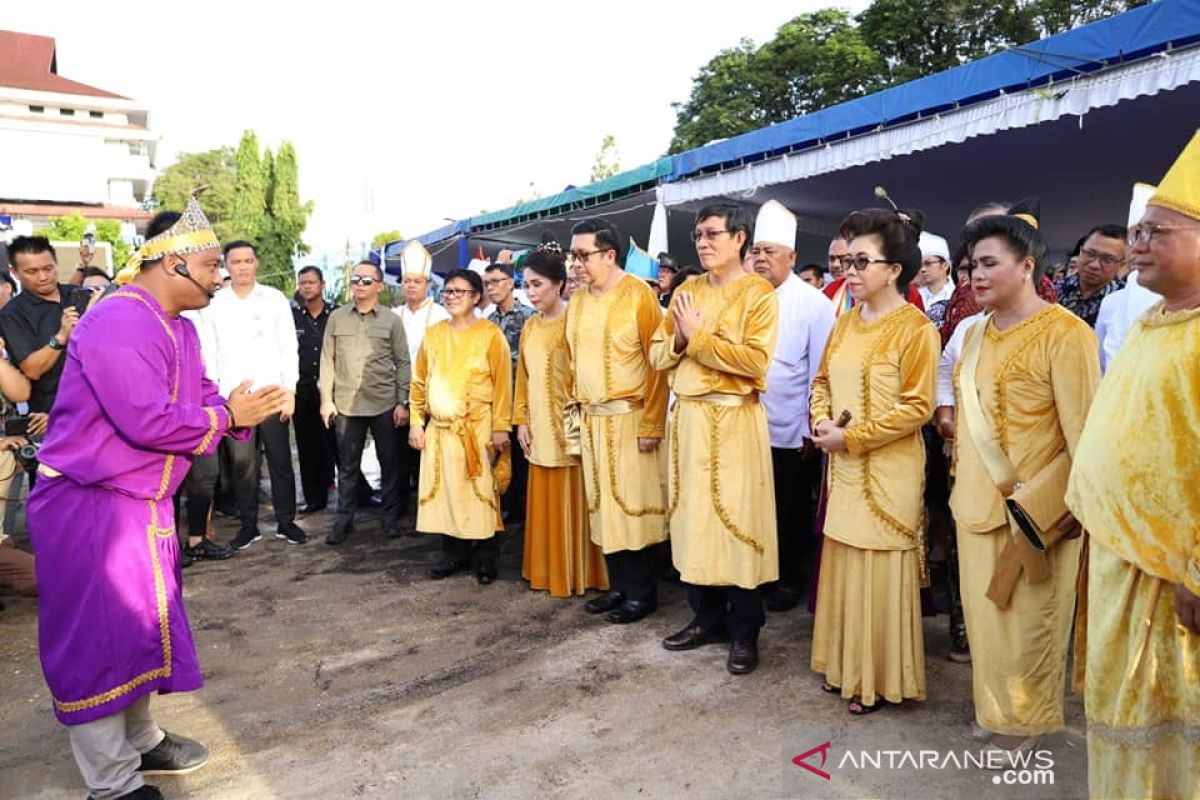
(688, 319)
(250, 408)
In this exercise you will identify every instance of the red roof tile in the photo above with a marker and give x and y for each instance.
(28, 61)
(66, 209)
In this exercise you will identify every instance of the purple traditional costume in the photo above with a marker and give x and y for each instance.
(133, 409)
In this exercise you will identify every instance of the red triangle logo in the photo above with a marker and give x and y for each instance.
(801, 760)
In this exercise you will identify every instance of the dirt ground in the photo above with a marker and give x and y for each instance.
(343, 672)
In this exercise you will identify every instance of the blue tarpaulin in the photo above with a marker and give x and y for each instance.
(1134, 34)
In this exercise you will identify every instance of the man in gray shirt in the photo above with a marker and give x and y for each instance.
(363, 383)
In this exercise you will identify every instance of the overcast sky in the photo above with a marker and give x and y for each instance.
(403, 114)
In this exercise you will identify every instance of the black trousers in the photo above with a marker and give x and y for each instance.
(273, 433)
(351, 438)
(796, 478)
(634, 573)
(316, 446)
(513, 502)
(461, 550)
(727, 608)
(200, 484)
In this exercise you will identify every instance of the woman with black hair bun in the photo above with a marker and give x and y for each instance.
(873, 392)
(1023, 386)
(559, 555)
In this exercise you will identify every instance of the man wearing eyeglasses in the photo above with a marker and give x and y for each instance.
(1136, 496)
(363, 381)
(1099, 260)
(623, 405)
(510, 315)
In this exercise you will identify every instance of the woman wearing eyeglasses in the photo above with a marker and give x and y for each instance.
(873, 392)
(461, 405)
(559, 554)
(1023, 386)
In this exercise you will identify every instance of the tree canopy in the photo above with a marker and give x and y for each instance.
(827, 57)
(71, 229)
(247, 195)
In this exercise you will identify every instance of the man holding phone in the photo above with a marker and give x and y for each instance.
(37, 324)
(363, 381)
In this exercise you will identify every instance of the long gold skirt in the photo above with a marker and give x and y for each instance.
(1142, 687)
(1018, 654)
(867, 635)
(559, 553)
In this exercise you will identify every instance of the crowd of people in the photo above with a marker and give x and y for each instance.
(916, 428)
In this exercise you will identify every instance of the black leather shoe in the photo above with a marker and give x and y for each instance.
(445, 570)
(185, 561)
(631, 611)
(338, 535)
(743, 658)
(605, 602)
(691, 637)
(312, 508)
(175, 755)
(485, 573)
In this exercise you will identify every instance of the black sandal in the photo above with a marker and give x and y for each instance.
(863, 710)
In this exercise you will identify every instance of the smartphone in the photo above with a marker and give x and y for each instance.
(81, 298)
(16, 426)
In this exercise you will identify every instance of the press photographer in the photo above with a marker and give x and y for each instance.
(16, 566)
(37, 324)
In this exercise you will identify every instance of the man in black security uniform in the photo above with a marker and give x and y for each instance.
(36, 325)
(315, 444)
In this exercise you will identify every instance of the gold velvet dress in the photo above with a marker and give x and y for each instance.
(867, 636)
(462, 393)
(1035, 383)
(1133, 486)
(722, 489)
(559, 554)
(622, 398)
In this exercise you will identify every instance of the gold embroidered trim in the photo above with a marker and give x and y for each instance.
(612, 476)
(884, 335)
(436, 446)
(715, 414)
(153, 532)
(674, 497)
(1143, 737)
(212, 431)
(1031, 329)
(555, 352)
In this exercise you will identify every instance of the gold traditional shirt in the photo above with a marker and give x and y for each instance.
(884, 374)
(458, 372)
(1035, 381)
(1133, 484)
(609, 339)
(542, 381)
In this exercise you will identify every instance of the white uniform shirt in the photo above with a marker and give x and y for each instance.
(1118, 312)
(415, 323)
(253, 338)
(805, 321)
(950, 357)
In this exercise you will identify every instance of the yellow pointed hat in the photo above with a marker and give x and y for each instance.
(1180, 189)
(191, 233)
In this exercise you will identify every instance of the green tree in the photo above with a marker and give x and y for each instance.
(608, 160)
(214, 172)
(814, 61)
(71, 229)
(249, 204)
(385, 237)
(283, 226)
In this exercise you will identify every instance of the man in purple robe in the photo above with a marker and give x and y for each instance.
(133, 409)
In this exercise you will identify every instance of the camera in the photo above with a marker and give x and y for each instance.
(27, 453)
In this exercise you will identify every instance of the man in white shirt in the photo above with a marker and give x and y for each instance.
(254, 338)
(418, 313)
(805, 319)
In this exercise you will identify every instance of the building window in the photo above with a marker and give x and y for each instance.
(37, 109)
(138, 149)
(67, 112)
(96, 114)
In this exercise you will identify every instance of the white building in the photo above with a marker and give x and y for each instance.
(66, 147)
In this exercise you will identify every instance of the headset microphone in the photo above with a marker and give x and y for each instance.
(182, 271)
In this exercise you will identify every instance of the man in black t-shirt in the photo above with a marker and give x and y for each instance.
(36, 324)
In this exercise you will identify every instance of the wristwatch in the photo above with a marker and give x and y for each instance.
(54, 344)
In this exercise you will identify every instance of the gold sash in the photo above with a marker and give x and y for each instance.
(611, 408)
(720, 399)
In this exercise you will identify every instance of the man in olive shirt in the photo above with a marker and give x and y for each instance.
(363, 382)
